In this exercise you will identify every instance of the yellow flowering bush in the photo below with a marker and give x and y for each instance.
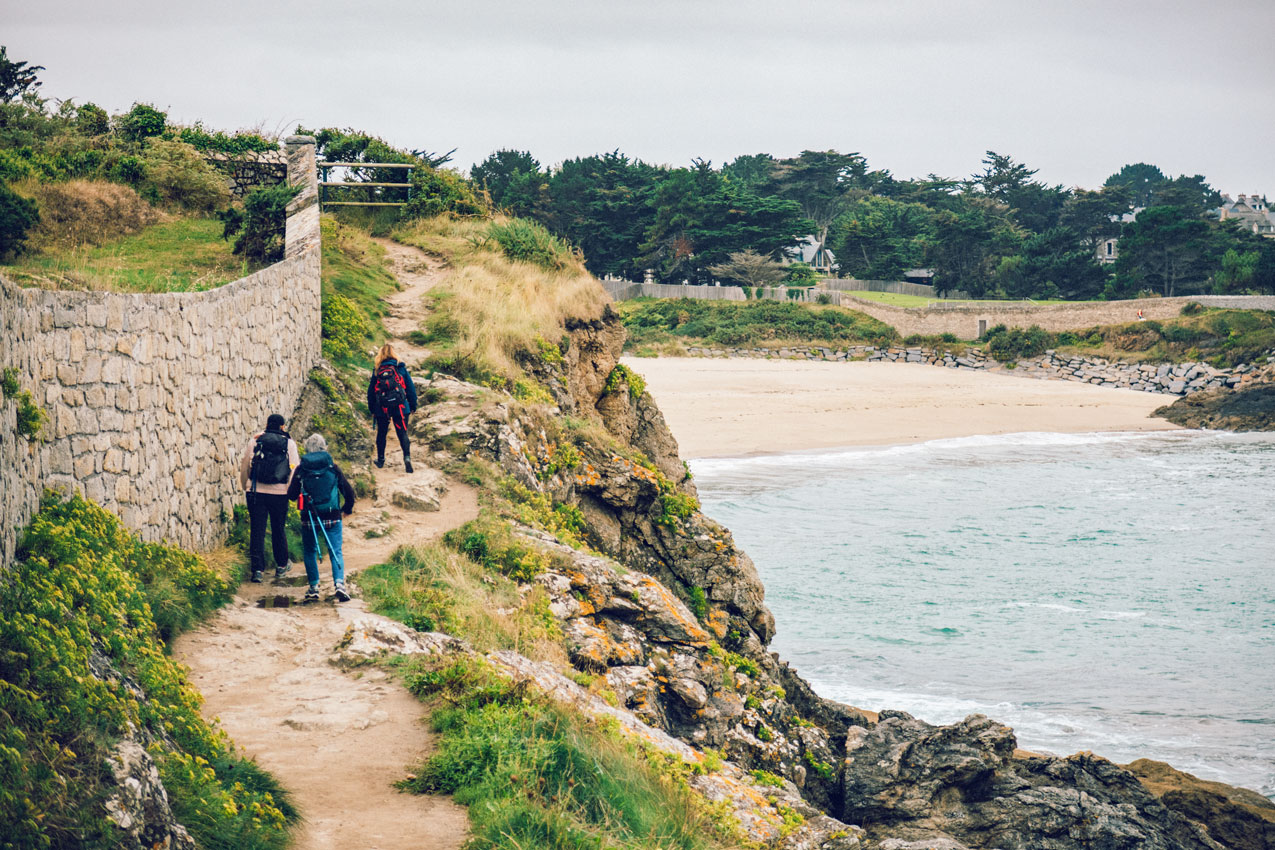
(84, 612)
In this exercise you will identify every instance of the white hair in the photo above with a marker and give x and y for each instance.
(316, 443)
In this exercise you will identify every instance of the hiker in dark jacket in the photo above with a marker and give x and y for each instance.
(264, 472)
(391, 396)
(324, 495)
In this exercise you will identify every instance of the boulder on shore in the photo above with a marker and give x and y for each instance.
(1251, 408)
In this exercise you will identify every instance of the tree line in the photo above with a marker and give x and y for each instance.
(997, 233)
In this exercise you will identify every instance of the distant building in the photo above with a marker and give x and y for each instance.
(1251, 211)
(925, 277)
(813, 254)
(1108, 250)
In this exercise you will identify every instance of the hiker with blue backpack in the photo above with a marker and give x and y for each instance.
(322, 495)
(391, 397)
(265, 469)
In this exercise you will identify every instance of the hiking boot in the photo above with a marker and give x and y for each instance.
(407, 464)
(380, 462)
(256, 576)
(311, 594)
(342, 595)
(280, 572)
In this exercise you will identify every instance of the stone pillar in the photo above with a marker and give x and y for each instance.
(303, 211)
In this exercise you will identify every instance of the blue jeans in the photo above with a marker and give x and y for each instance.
(310, 547)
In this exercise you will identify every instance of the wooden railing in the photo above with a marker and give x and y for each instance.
(324, 182)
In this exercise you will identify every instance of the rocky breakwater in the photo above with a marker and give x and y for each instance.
(662, 607)
(1168, 378)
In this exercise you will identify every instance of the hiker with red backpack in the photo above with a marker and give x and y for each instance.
(391, 397)
(264, 473)
(323, 496)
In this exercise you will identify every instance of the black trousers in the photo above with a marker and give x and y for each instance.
(263, 506)
(399, 417)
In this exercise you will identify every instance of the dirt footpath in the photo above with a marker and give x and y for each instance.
(336, 740)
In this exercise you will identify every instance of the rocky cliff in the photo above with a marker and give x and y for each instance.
(664, 606)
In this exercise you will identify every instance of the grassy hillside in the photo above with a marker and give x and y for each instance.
(179, 254)
(510, 290)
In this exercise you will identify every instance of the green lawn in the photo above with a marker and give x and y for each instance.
(179, 255)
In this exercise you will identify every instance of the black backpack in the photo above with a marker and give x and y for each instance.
(389, 388)
(270, 459)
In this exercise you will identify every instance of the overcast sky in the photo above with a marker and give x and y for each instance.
(1075, 88)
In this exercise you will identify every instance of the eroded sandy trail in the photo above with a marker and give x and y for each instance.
(417, 272)
(337, 740)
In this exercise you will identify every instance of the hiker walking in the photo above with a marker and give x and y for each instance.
(323, 495)
(391, 396)
(264, 472)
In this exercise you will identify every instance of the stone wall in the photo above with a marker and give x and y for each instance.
(1168, 378)
(152, 398)
(245, 172)
(969, 320)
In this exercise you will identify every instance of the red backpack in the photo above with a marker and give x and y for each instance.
(389, 388)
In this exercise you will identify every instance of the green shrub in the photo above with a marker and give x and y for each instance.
(676, 506)
(92, 120)
(262, 222)
(31, 417)
(18, 216)
(491, 543)
(181, 177)
(522, 240)
(85, 592)
(437, 190)
(623, 376)
(141, 122)
(238, 143)
(344, 329)
(698, 603)
(766, 778)
(1192, 308)
(801, 274)
(736, 323)
(1010, 345)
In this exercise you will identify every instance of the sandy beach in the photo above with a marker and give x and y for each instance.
(728, 407)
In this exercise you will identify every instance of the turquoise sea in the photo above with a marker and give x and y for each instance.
(1107, 592)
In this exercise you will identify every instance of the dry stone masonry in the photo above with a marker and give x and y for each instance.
(1169, 378)
(152, 397)
(247, 171)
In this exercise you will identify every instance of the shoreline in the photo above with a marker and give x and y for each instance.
(718, 408)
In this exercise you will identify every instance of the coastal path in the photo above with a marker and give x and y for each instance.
(337, 739)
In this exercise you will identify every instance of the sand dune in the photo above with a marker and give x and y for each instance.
(728, 407)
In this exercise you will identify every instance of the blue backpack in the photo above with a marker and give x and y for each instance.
(318, 483)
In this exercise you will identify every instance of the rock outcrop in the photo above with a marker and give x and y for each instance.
(1249, 408)
(960, 786)
(1233, 817)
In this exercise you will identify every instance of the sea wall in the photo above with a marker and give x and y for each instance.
(151, 398)
(1168, 378)
(247, 171)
